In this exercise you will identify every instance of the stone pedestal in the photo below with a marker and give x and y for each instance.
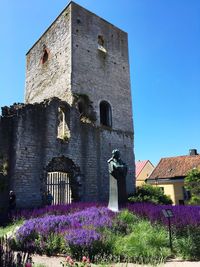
(113, 194)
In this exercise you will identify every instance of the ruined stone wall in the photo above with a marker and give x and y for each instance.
(51, 78)
(30, 130)
(101, 71)
(6, 157)
(35, 143)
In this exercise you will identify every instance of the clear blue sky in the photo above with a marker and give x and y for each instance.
(164, 50)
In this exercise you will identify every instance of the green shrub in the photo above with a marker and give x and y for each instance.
(146, 244)
(187, 243)
(127, 217)
(96, 251)
(55, 243)
(192, 184)
(151, 194)
(122, 224)
(10, 229)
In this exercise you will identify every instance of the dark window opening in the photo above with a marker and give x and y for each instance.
(100, 40)
(45, 56)
(105, 114)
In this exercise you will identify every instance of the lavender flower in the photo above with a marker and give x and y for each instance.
(86, 221)
(82, 237)
(96, 217)
(42, 226)
(183, 215)
(53, 210)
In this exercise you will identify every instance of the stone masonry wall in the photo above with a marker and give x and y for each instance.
(101, 75)
(35, 144)
(5, 157)
(52, 78)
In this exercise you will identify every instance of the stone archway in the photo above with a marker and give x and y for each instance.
(64, 180)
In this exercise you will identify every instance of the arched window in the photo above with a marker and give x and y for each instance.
(63, 129)
(45, 54)
(105, 114)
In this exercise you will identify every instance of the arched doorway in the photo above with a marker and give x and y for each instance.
(63, 180)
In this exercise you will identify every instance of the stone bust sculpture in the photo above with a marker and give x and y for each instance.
(118, 170)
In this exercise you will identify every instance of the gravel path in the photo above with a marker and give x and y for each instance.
(55, 262)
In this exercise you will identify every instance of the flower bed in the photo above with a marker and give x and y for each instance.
(52, 210)
(183, 215)
(93, 230)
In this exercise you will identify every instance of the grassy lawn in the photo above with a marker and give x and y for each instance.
(10, 228)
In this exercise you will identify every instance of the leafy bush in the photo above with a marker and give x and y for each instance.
(151, 194)
(10, 228)
(192, 183)
(55, 243)
(187, 242)
(122, 224)
(127, 217)
(146, 244)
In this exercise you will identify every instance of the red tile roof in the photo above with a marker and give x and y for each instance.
(175, 166)
(139, 165)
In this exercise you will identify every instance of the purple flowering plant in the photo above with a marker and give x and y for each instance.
(82, 237)
(184, 216)
(84, 228)
(80, 228)
(62, 209)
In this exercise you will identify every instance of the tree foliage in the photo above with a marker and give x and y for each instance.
(151, 194)
(192, 183)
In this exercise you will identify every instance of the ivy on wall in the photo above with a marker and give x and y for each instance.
(85, 107)
(3, 173)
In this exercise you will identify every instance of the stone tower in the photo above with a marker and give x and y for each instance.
(84, 55)
(78, 108)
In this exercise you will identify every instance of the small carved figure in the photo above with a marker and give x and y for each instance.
(12, 200)
(49, 198)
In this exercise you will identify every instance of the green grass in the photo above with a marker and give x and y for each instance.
(145, 244)
(10, 228)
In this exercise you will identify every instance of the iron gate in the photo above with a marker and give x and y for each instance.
(58, 183)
